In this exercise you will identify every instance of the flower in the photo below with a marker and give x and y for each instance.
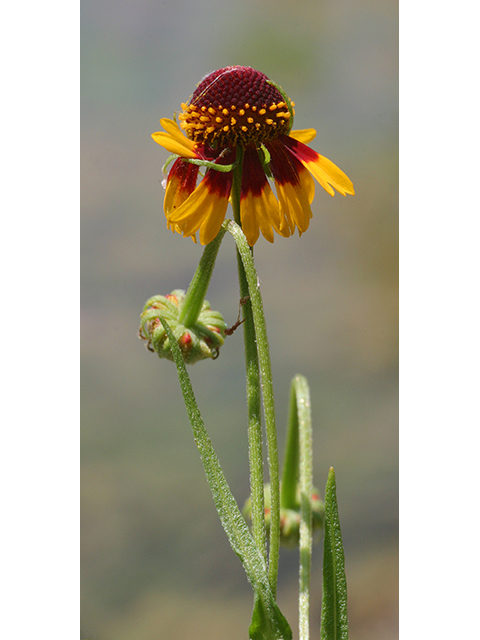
(237, 116)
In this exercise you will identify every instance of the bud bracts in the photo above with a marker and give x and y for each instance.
(200, 341)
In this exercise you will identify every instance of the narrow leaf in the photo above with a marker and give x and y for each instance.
(334, 624)
(288, 492)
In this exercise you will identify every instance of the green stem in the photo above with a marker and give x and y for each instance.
(302, 397)
(255, 450)
(193, 301)
(298, 473)
(273, 625)
(267, 392)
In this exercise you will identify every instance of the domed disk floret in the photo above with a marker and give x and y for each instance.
(235, 106)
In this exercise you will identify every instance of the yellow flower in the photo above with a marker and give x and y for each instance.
(239, 108)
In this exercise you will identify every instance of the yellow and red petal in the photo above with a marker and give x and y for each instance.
(294, 186)
(181, 182)
(204, 210)
(323, 169)
(173, 140)
(259, 209)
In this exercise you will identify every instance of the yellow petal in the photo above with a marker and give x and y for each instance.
(173, 140)
(174, 146)
(303, 135)
(172, 127)
(307, 183)
(294, 206)
(261, 213)
(269, 215)
(214, 217)
(328, 174)
(202, 210)
(249, 219)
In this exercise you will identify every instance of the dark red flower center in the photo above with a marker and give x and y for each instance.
(236, 106)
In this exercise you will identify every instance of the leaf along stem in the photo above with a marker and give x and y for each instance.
(334, 621)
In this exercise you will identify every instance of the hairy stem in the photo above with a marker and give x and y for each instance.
(267, 393)
(252, 366)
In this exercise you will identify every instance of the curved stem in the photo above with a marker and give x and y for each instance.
(273, 625)
(267, 391)
(255, 451)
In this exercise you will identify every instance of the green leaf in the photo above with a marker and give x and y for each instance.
(225, 168)
(334, 624)
(261, 627)
(288, 495)
(174, 156)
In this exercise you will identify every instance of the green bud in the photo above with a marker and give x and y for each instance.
(201, 340)
(290, 518)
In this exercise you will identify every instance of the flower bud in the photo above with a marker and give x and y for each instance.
(290, 518)
(197, 342)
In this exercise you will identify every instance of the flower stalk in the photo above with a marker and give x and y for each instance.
(255, 448)
(273, 623)
(192, 303)
(304, 429)
(261, 341)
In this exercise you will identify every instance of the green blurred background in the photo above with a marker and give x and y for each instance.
(155, 562)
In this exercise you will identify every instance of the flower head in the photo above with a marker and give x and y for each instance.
(201, 340)
(237, 118)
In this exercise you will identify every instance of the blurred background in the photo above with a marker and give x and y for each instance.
(155, 561)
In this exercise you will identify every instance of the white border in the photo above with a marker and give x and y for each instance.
(439, 320)
(40, 320)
